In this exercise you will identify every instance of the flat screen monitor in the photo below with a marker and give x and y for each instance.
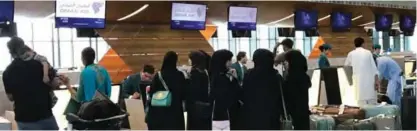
(407, 22)
(383, 22)
(305, 19)
(6, 11)
(80, 14)
(242, 18)
(188, 16)
(341, 21)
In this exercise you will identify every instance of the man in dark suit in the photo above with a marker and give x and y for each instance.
(239, 66)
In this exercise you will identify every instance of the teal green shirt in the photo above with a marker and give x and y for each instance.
(323, 61)
(90, 81)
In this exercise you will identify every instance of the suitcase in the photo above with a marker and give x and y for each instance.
(383, 122)
(374, 110)
(354, 124)
(408, 112)
(321, 122)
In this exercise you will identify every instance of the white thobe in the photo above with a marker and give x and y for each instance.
(363, 73)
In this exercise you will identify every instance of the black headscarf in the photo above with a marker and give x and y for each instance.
(170, 62)
(297, 67)
(263, 59)
(198, 60)
(218, 61)
(208, 59)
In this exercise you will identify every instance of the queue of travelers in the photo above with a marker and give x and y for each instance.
(218, 94)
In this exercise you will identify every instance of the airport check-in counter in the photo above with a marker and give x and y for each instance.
(332, 85)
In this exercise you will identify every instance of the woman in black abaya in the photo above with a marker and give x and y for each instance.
(225, 91)
(296, 87)
(171, 117)
(262, 94)
(198, 103)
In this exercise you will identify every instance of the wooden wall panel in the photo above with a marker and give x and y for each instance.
(138, 44)
(343, 42)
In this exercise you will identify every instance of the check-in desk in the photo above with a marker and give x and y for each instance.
(332, 86)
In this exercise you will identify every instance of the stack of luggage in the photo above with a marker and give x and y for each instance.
(341, 117)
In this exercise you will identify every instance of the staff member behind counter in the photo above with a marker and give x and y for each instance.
(323, 60)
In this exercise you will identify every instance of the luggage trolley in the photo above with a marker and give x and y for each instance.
(111, 123)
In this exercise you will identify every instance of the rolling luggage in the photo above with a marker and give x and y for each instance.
(321, 122)
(408, 112)
(354, 124)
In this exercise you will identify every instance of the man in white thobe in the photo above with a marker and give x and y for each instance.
(365, 74)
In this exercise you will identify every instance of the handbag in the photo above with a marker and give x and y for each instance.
(204, 108)
(162, 98)
(286, 121)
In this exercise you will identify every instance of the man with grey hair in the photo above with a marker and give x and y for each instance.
(23, 83)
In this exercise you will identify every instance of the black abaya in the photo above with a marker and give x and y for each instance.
(198, 92)
(261, 94)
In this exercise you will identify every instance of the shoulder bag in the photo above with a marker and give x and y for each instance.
(286, 121)
(162, 98)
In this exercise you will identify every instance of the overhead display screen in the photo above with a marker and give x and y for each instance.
(407, 22)
(6, 11)
(80, 13)
(383, 22)
(341, 21)
(242, 18)
(305, 19)
(188, 16)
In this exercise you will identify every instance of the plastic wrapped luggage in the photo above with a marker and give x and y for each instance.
(322, 122)
(383, 122)
(354, 124)
(374, 110)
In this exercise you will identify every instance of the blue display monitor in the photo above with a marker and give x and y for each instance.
(80, 14)
(242, 18)
(341, 21)
(188, 16)
(6, 11)
(407, 22)
(383, 22)
(305, 19)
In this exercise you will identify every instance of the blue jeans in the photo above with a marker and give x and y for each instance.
(45, 124)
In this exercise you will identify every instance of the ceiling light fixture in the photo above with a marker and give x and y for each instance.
(134, 13)
(285, 18)
(367, 23)
(357, 17)
(396, 23)
(323, 18)
(50, 16)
